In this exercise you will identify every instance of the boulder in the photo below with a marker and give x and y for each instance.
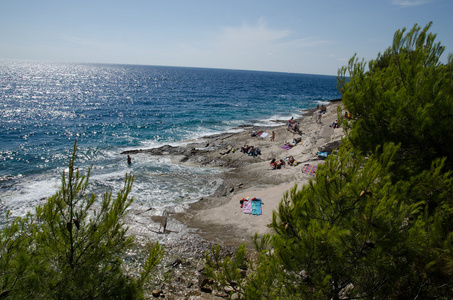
(329, 147)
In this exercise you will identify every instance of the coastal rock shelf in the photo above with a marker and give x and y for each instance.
(218, 217)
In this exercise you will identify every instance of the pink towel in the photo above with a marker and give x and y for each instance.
(247, 207)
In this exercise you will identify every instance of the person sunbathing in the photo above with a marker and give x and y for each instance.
(251, 150)
(294, 142)
(245, 149)
(347, 115)
(273, 164)
(335, 125)
(276, 164)
(256, 152)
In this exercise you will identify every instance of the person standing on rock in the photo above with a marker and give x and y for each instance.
(318, 120)
(290, 124)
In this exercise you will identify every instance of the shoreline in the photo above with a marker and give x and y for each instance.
(189, 231)
(218, 218)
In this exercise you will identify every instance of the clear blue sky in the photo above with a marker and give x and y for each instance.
(316, 36)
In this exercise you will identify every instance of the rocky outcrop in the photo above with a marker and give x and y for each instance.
(329, 147)
(165, 150)
(184, 155)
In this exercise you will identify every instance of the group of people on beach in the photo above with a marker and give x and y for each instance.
(322, 108)
(293, 126)
(250, 150)
(347, 115)
(278, 164)
(294, 142)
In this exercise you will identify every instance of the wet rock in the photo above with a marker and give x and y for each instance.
(164, 150)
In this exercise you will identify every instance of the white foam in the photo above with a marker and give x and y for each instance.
(25, 195)
(157, 191)
(269, 123)
(278, 120)
(158, 182)
(320, 102)
(197, 135)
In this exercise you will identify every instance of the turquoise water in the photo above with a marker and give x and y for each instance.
(45, 106)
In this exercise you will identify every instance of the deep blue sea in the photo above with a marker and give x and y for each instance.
(45, 107)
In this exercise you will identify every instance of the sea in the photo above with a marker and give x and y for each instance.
(46, 106)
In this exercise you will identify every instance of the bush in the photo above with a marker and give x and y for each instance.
(73, 247)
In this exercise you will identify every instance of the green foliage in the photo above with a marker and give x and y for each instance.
(377, 220)
(335, 229)
(18, 259)
(232, 268)
(404, 96)
(75, 247)
(245, 276)
(155, 254)
(356, 233)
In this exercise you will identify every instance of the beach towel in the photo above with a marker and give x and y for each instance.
(247, 206)
(256, 207)
(309, 169)
(286, 147)
(264, 134)
(323, 154)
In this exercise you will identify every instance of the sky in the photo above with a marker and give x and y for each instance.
(298, 36)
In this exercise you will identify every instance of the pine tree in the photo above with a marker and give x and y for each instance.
(19, 263)
(377, 221)
(354, 232)
(74, 248)
(404, 96)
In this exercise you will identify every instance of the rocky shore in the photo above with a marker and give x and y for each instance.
(188, 232)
